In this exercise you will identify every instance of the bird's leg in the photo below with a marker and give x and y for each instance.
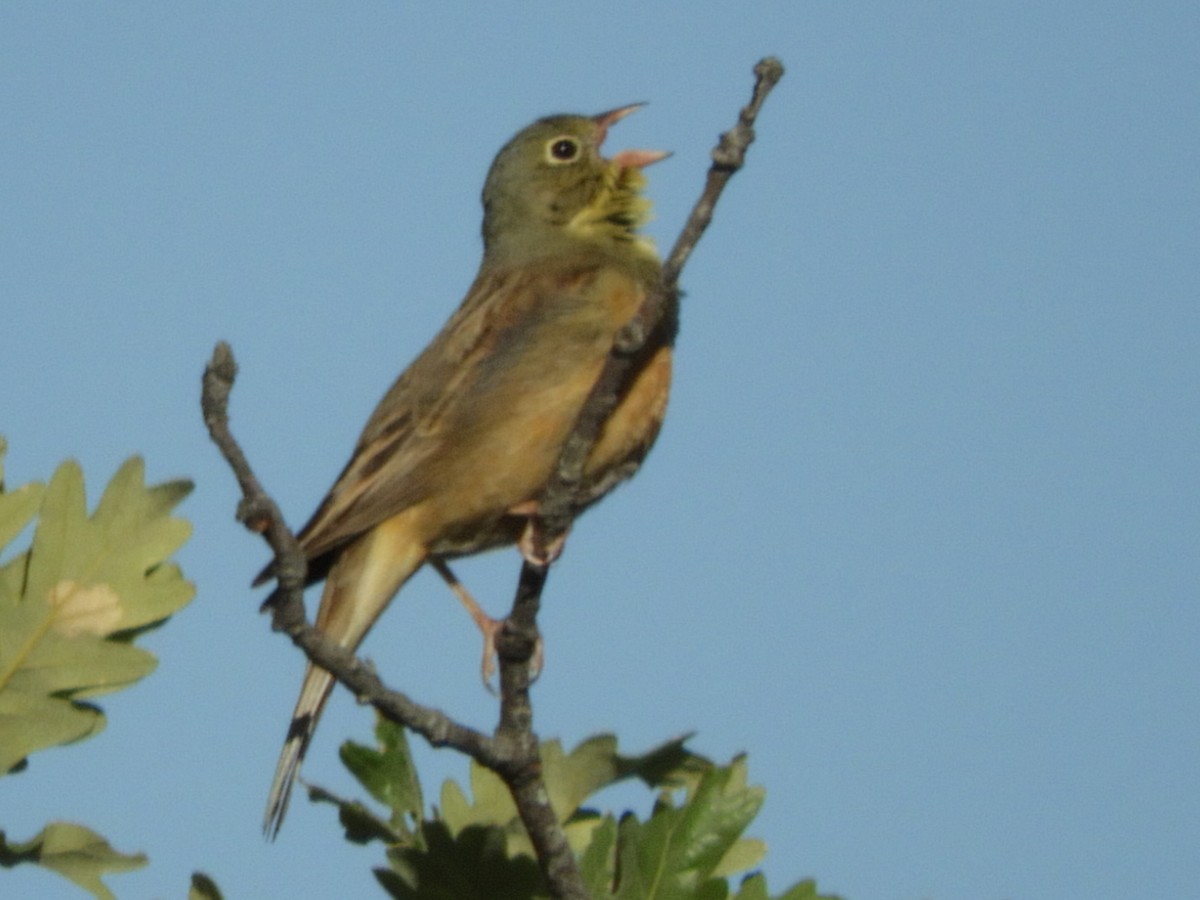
(487, 626)
(490, 628)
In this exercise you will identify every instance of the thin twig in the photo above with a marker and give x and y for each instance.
(728, 157)
(258, 512)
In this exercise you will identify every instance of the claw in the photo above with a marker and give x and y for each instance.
(534, 547)
(537, 660)
(487, 667)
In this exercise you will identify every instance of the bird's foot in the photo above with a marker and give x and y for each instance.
(491, 633)
(490, 628)
(535, 548)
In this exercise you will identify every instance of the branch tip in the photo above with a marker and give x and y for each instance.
(769, 70)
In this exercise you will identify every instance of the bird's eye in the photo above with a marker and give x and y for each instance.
(562, 150)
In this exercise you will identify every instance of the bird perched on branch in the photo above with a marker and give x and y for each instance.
(454, 458)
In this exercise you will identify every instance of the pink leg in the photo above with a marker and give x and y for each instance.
(487, 626)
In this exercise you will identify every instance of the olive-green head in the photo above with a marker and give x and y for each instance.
(550, 184)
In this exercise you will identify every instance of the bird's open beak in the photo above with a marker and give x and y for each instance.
(629, 159)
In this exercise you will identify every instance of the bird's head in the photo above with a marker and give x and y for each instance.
(550, 183)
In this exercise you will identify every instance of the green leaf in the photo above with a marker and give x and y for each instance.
(570, 779)
(390, 777)
(745, 852)
(681, 852)
(12, 578)
(388, 773)
(491, 803)
(597, 864)
(29, 723)
(754, 887)
(360, 824)
(743, 855)
(71, 605)
(714, 817)
(117, 550)
(17, 508)
(632, 884)
(472, 865)
(670, 764)
(478, 847)
(56, 654)
(75, 852)
(203, 888)
(595, 764)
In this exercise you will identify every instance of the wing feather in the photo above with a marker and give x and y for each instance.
(462, 382)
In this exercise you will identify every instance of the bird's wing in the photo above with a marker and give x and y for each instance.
(421, 417)
(383, 476)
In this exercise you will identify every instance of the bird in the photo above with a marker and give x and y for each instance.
(454, 457)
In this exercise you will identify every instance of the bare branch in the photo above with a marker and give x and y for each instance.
(728, 157)
(259, 512)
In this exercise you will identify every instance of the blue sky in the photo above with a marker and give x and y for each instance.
(920, 534)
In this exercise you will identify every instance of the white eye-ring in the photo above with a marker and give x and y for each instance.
(562, 149)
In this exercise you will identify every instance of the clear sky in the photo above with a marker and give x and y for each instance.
(921, 531)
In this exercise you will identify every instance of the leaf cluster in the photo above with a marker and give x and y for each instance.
(71, 607)
(474, 846)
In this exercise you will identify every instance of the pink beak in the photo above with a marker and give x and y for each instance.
(629, 159)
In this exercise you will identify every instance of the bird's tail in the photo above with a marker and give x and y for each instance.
(360, 584)
(317, 685)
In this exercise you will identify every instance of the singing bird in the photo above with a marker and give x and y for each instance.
(457, 452)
